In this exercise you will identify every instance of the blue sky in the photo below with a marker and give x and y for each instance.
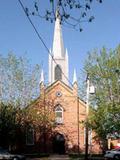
(18, 36)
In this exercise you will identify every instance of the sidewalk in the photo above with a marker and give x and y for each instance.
(52, 157)
(59, 157)
(63, 157)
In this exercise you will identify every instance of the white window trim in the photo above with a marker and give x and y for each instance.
(61, 119)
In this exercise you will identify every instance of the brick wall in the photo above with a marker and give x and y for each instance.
(73, 113)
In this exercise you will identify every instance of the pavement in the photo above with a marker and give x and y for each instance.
(59, 157)
(62, 157)
(52, 157)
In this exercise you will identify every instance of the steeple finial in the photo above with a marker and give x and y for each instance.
(74, 77)
(57, 12)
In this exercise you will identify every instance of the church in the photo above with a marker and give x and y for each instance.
(68, 134)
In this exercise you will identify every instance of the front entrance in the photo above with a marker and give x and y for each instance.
(59, 144)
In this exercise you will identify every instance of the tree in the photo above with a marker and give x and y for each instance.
(19, 86)
(40, 117)
(103, 68)
(8, 125)
(72, 12)
(39, 114)
(18, 80)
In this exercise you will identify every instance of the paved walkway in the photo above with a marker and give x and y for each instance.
(52, 157)
(59, 157)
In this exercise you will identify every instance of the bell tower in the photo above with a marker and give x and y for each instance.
(58, 62)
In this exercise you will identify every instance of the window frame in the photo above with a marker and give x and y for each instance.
(59, 76)
(28, 131)
(59, 111)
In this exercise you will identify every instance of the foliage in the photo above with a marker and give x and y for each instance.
(20, 105)
(10, 127)
(39, 114)
(103, 69)
(40, 117)
(72, 12)
(15, 120)
(18, 80)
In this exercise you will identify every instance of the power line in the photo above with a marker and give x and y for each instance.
(40, 38)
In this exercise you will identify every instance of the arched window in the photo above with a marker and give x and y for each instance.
(29, 135)
(59, 114)
(58, 73)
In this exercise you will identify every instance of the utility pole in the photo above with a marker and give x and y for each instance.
(86, 120)
(78, 125)
(90, 90)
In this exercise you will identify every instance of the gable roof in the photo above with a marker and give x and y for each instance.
(65, 86)
(58, 82)
(62, 84)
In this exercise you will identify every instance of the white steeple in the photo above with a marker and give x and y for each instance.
(74, 77)
(66, 53)
(58, 47)
(67, 63)
(58, 62)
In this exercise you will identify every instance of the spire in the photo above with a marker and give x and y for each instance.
(59, 57)
(58, 47)
(67, 63)
(74, 77)
(75, 85)
(66, 54)
(42, 77)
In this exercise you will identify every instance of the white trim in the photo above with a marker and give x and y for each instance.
(59, 120)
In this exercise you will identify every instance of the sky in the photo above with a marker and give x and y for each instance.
(18, 36)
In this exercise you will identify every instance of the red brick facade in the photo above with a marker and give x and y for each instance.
(69, 136)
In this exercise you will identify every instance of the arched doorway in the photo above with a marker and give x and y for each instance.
(59, 144)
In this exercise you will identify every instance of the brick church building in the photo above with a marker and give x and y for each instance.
(68, 134)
